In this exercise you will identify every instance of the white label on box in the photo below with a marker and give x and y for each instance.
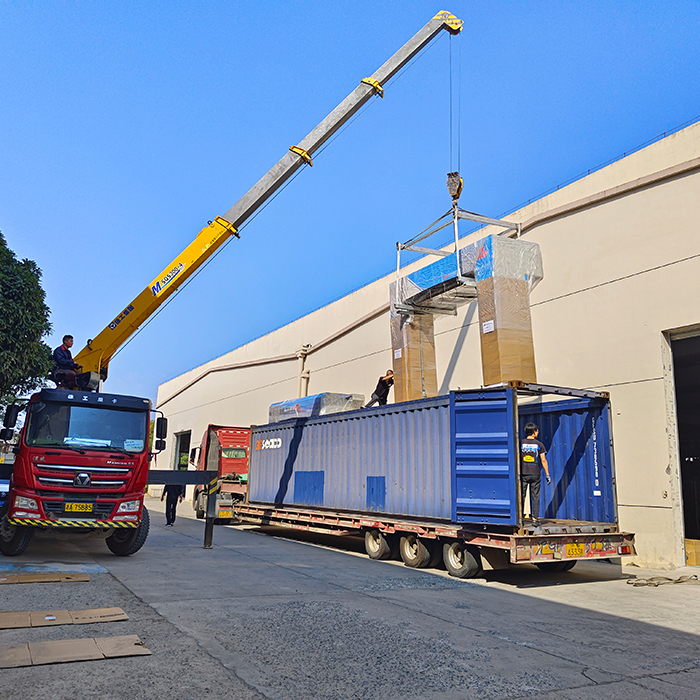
(597, 493)
(488, 327)
(397, 354)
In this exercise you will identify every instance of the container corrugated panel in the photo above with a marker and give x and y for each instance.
(577, 436)
(394, 460)
(484, 457)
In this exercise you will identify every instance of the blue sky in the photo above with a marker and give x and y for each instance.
(124, 127)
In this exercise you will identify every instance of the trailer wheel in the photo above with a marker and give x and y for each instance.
(128, 541)
(555, 567)
(14, 539)
(378, 545)
(414, 552)
(461, 560)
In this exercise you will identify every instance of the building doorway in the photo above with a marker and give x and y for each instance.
(686, 374)
(182, 451)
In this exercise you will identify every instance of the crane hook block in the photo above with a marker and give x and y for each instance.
(379, 90)
(301, 152)
(454, 25)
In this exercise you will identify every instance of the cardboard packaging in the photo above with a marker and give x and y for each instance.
(413, 346)
(506, 270)
(692, 552)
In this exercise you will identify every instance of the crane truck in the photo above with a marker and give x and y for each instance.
(82, 455)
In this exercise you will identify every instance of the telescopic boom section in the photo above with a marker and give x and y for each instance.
(96, 355)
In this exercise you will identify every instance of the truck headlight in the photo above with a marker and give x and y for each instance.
(24, 502)
(129, 507)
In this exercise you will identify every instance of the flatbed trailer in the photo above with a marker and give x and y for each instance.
(437, 480)
(554, 545)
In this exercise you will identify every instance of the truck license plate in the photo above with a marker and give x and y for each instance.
(574, 550)
(225, 513)
(78, 507)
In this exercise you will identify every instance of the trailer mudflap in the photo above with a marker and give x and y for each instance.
(543, 548)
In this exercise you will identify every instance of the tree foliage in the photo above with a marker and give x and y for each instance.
(25, 360)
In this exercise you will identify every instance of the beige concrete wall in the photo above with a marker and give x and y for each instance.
(618, 276)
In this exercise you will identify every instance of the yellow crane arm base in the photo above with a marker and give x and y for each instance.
(375, 84)
(301, 152)
(454, 25)
(96, 355)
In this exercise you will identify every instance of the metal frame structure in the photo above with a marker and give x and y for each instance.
(468, 283)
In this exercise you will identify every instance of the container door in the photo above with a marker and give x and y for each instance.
(484, 453)
(578, 439)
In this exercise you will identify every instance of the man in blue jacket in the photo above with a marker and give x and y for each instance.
(64, 369)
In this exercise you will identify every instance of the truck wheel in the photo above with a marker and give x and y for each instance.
(14, 539)
(461, 560)
(129, 541)
(555, 567)
(378, 545)
(414, 552)
(200, 510)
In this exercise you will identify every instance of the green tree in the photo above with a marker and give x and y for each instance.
(25, 360)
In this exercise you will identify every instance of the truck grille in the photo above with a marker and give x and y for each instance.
(61, 475)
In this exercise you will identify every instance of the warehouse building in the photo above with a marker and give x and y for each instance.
(617, 311)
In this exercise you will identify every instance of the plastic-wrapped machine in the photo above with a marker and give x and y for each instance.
(413, 346)
(317, 405)
(506, 271)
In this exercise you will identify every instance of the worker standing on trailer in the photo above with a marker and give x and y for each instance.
(532, 459)
(381, 393)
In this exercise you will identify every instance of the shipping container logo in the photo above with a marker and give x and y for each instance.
(271, 444)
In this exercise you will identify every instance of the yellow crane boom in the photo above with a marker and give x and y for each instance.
(99, 351)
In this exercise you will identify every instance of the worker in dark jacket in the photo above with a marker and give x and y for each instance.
(381, 393)
(64, 368)
(173, 493)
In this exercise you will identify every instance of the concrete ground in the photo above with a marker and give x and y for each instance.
(301, 617)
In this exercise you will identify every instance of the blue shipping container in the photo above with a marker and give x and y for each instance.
(452, 458)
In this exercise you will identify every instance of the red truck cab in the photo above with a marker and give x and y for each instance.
(81, 465)
(224, 449)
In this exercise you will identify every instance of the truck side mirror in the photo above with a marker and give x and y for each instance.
(11, 413)
(160, 445)
(6, 434)
(161, 428)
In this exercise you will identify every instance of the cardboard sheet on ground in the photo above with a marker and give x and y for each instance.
(66, 650)
(44, 618)
(42, 578)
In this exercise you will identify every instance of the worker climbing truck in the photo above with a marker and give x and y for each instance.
(81, 465)
(436, 480)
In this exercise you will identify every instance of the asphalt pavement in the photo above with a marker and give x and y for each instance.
(293, 616)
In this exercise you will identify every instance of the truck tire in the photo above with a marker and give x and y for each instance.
(461, 560)
(378, 545)
(414, 552)
(200, 509)
(555, 567)
(14, 539)
(128, 541)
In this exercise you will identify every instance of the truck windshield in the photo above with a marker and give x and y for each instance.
(55, 424)
(233, 452)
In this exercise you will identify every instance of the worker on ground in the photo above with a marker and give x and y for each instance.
(532, 459)
(64, 369)
(175, 493)
(381, 393)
